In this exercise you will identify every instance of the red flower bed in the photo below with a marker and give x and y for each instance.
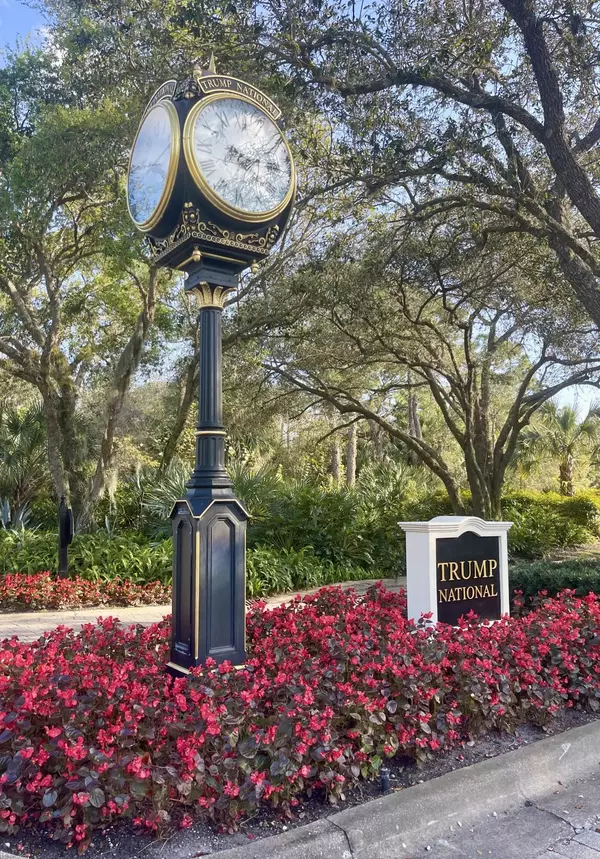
(92, 729)
(42, 591)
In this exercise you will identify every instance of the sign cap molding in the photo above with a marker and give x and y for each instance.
(454, 526)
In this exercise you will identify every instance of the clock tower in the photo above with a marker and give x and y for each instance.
(211, 184)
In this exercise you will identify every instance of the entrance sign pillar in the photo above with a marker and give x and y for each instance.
(456, 564)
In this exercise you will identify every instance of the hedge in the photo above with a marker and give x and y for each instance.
(546, 521)
(543, 521)
(583, 577)
(272, 571)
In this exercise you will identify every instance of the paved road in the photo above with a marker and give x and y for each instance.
(565, 826)
(29, 626)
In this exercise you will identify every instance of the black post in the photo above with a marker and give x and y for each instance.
(65, 537)
(209, 525)
(209, 477)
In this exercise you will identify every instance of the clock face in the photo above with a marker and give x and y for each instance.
(153, 164)
(242, 161)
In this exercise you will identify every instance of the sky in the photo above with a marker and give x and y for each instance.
(18, 20)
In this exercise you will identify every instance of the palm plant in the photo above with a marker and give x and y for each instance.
(165, 489)
(23, 469)
(255, 486)
(559, 434)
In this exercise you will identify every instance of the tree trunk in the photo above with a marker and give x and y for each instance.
(414, 423)
(187, 395)
(376, 444)
(55, 460)
(351, 447)
(578, 274)
(476, 477)
(127, 365)
(567, 475)
(72, 457)
(336, 462)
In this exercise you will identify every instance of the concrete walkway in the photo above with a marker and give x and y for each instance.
(563, 825)
(29, 626)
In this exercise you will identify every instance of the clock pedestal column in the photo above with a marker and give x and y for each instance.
(209, 525)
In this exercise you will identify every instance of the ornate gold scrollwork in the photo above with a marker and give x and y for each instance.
(192, 226)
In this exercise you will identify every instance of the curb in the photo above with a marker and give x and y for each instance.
(412, 818)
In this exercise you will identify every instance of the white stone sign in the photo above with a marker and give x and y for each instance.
(456, 564)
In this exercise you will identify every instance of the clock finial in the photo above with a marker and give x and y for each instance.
(197, 71)
(201, 71)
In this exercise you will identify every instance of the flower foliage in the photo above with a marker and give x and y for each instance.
(92, 729)
(39, 591)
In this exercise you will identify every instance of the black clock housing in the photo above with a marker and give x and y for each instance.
(194, 230)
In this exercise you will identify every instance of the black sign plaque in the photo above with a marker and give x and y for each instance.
(468, 577)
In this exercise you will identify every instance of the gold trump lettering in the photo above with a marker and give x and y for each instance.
(220, 83)
(454, 571)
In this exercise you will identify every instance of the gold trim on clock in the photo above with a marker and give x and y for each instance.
(163, 202)
(211, 195)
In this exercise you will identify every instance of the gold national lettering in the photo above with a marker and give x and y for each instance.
(469, 571)
(468, 592)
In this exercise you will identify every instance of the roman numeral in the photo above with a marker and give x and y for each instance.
(223, 118)
(207, 166)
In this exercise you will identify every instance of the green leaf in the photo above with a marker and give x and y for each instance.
(49, 798)
(97, 798)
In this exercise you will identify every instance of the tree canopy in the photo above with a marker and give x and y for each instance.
(437, 285)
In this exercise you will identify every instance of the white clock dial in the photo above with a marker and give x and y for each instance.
(151, 169)
(242, 156)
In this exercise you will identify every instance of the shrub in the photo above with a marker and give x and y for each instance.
(43, 591)
(266, 573)
(128, 560)
(96, 557)
(547, 521)
(435, 504)
(326, 521)
(543, 521)
(551, 578)
(92, 729)
(272, 571)
(336, 524)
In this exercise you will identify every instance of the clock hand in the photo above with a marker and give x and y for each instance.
(166, 149)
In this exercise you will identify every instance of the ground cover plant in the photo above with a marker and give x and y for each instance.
(92, 729)
(46, 592)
